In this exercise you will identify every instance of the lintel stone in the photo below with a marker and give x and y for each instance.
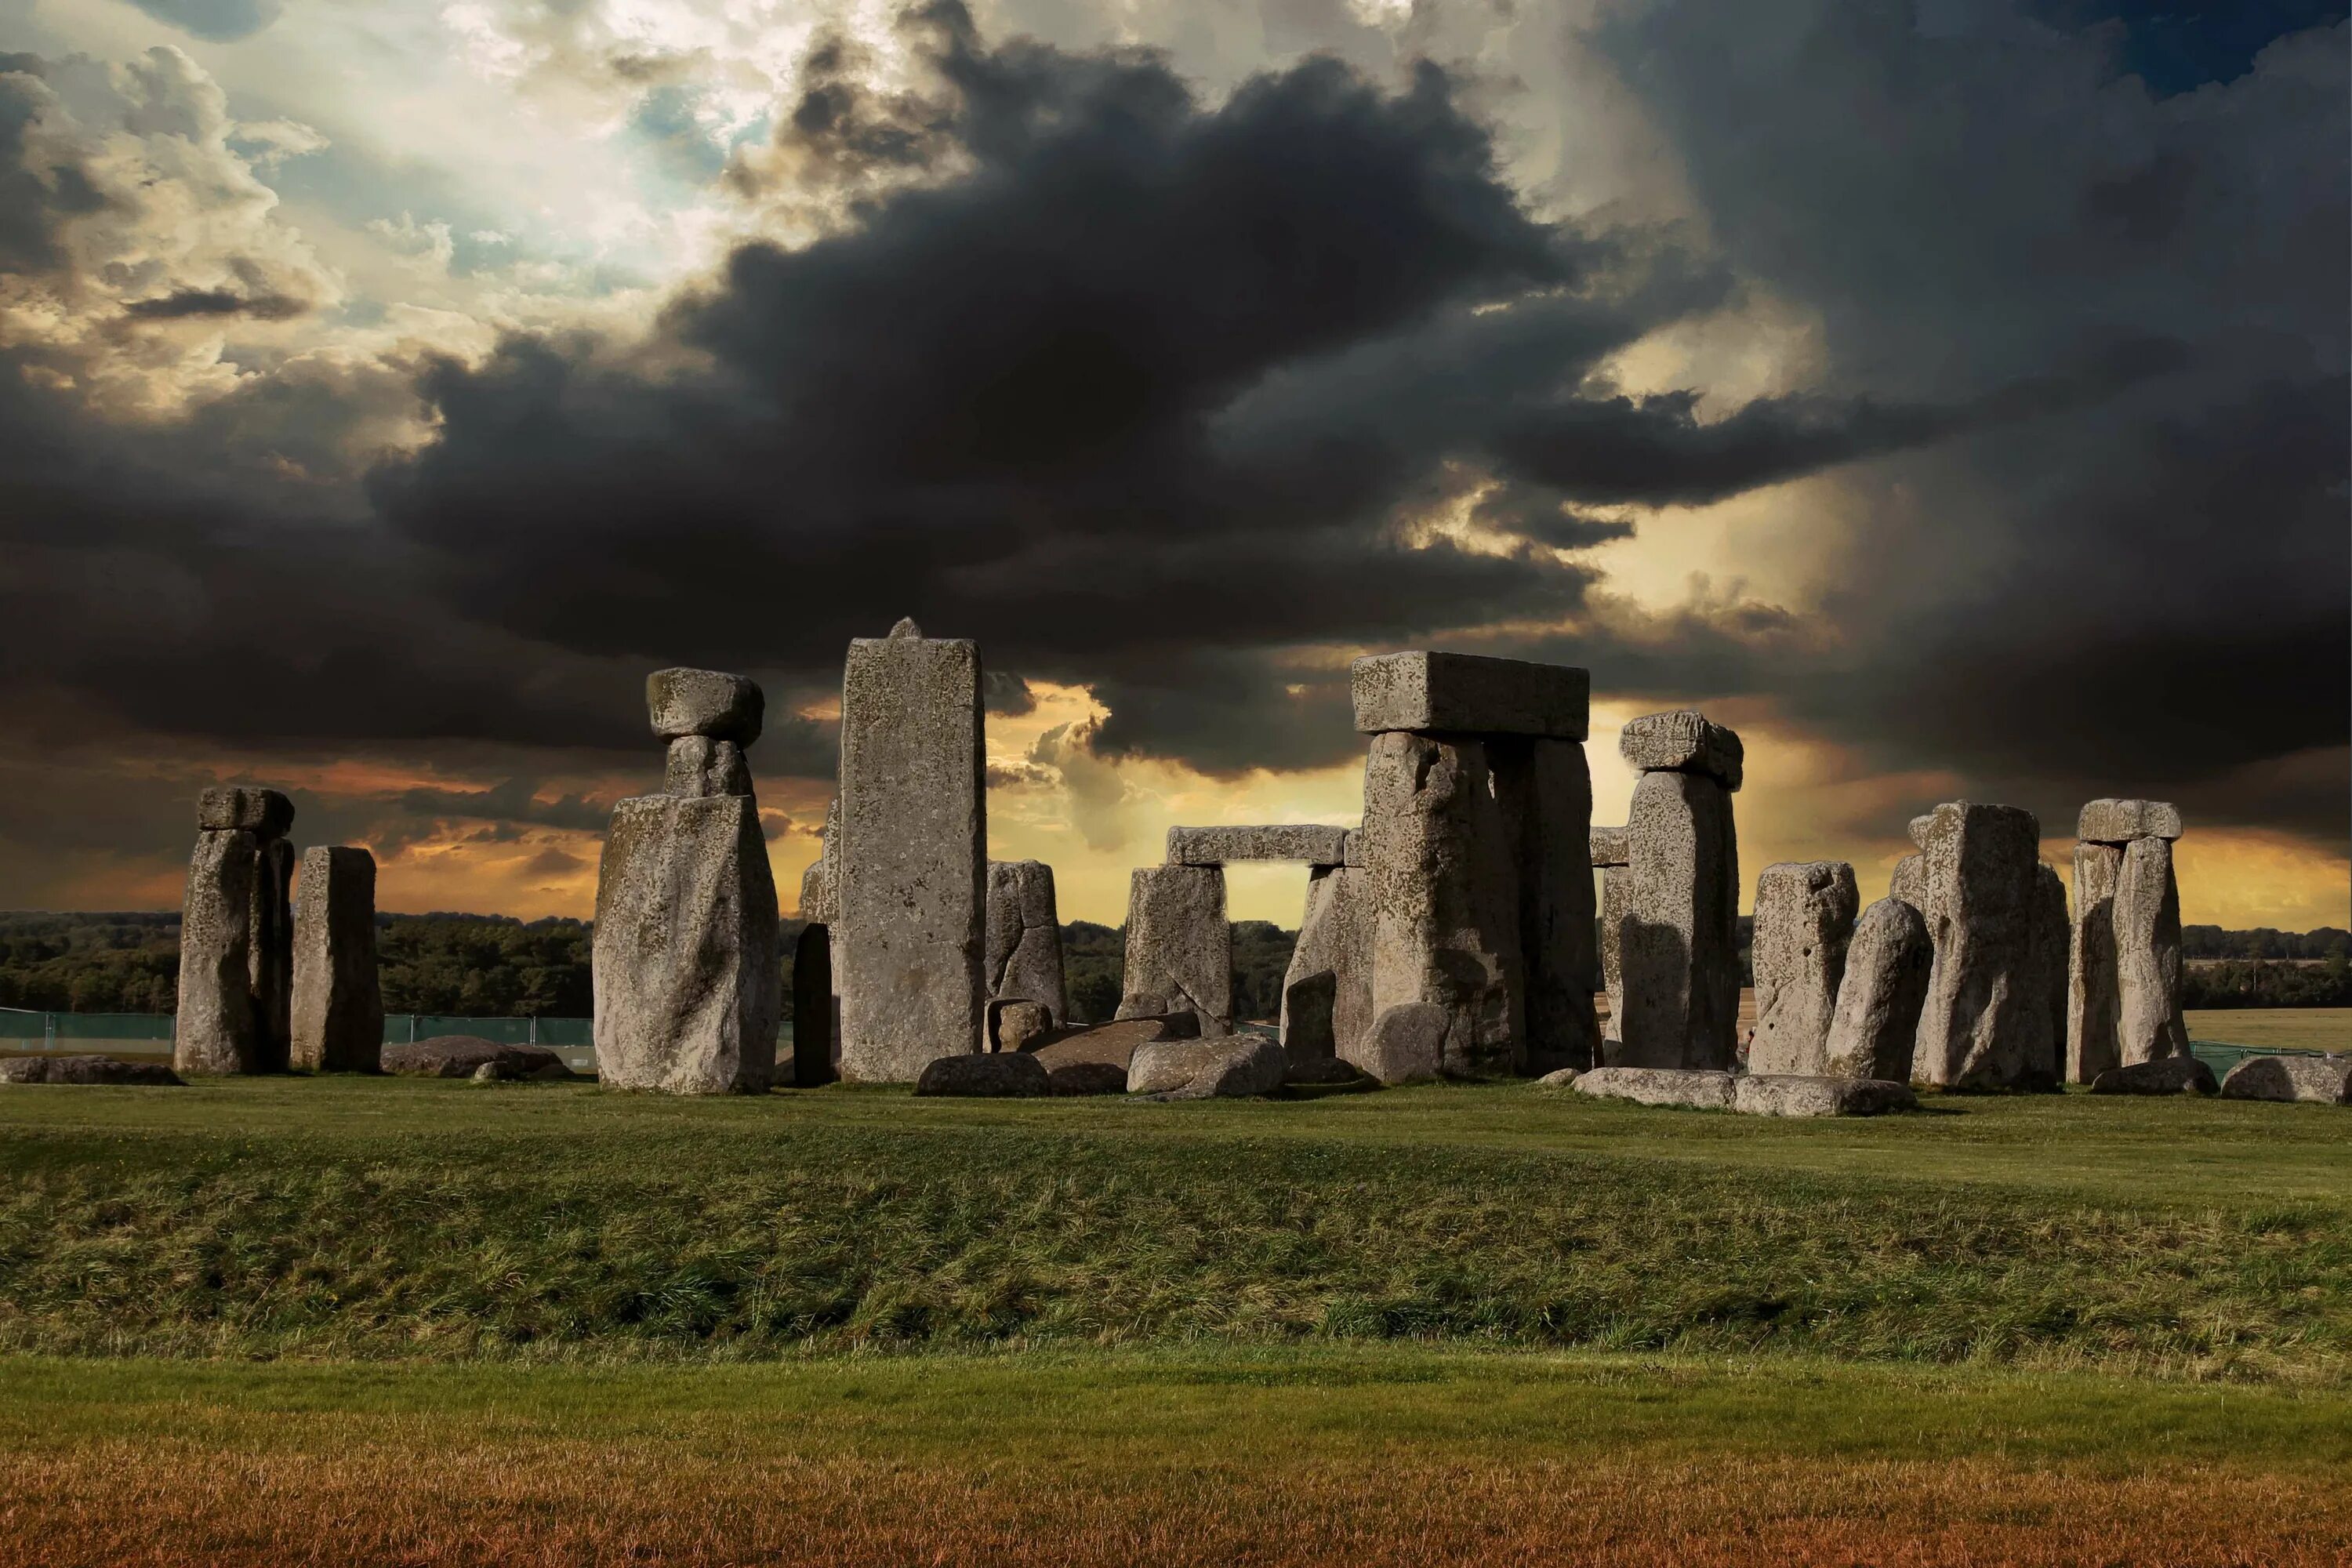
(2121, 821)
(1315, 845)
(1473, 694)
(1684, 741)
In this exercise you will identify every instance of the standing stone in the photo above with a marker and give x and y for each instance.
(699, 766)
(1988, 1020)
(2121, 821)
(1326, 992)
(1804, 920)
(338, 1003)
(1180, 949)
(215, 1029)
(815, 1013)
(1876, 1023)
(2092, 1048)
(912, 874)
(1909, 880)
(2051, 936)
(688, 988)
(1437, 854)
(1545, 790)
(1610, 857)
(1677, 937)
(1025, 937)
(2149, 1024)
(271, 956)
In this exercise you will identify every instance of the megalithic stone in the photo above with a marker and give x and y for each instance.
(814, 1010)
(1437, 852)
(1180, 947)
(1610, 856)
(2050, 939)
(338, 1002)
(270, 958)
(1327, 992)
(1025, 937)
(1877, 1022)
(699, 766)
(686, 979)
(1987, 1022)
(912, 876)
(2149, 1024)
(2091, 1044)
(1677, 937)
(214, 1031)
(1804, 919)
(1545, 789)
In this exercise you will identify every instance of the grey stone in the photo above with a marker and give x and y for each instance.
(215, 1029)
(820, 897)
(705, 703)
(1908, 880)
(1678, 955)
(269, 957)
(1180, 949)
(1469, 694)
(2052, 935)
(700, 766)
(1545, 791)
(910, 944)
(1405, 1042)
(1616, 889)
(465, 1055)
(816, 1014)
(1917, 828)
(1609, 847)
(1562, 1077)
(1024, 959)
(2093, 1045)
(1229, 1066)
(1684, 741)
(488, 1073)
(1108, 1046)
(2316, 1080)
(1316, 845)
(2121, 821)
(1351, 849)
(1690, 1089)
(1323, 1072)
(2149, 1024)
(264, 812)
(1776, 1094)
(686, 979)
(1876, 1024)
(1988, 1021)
(1014, 1024)
(86, 1069)
(338, 1003)
(2164, 1075)
(1087, 1078)
(1438, 854)
(1804, 919)
(1327, 992)
(995, 1076)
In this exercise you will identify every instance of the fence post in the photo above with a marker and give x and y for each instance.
(534, 1028)
(48, 1031)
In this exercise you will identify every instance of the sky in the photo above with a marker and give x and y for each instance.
(1951, 396)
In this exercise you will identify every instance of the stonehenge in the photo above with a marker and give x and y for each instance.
(1607, 851)
(1988, 1021)
(237, 937)
(685, 982)
(1024, 938)
(1326, 989)
(1804, 919)
(2123, 982)
(1327, 992)
(338, 1006)
(1180, 949)
(1677, 934)
(1876, 1024)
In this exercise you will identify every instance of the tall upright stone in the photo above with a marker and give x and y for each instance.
(2149, 1024)
(1545, 789)
(816, 1010)
(1804, 919)
(2123, 969)
(1611, 858)
(2051, 940)
(1875, 1026)
(236, 936)
(910, 949)
(1677, 938)
(338, 1008)
(1180, 946)
(1025, 937)
(270, 959)
(1327, 992)
(1987, 1023)
(2093, 1045)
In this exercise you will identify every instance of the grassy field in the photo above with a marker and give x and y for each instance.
(2276, 1028)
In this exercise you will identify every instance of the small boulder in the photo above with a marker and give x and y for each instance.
(1808, 1094)
(1220, 1066)
(465, 1055)
(2166, 1075)
(1406, 1041)
(85, 1069)
(1564, 1077)
(1323, 1071)
(2315, 1080)
(1018, 1025)
(1087, 1078)
(1692, 1089)
(992, 1074)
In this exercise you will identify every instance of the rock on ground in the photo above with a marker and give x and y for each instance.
(338, 1011)
(85, 1069)
(1678, 957)
(1223, 1067)
(2315, 1080)
(1023, 957)
(710, 702)
(464, 1056)
(1808, 1094)
(2166, 1075)
(1690, 1089)
(1469, 694)
(992, 1074)
(1804, 921)
(2121, 821)
(1877, 1021)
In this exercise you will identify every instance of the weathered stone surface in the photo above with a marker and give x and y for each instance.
(1616, 889)
(1327, 992)
(269, 957)
(1228, 1067)
(1545, 791)
(1678, 955)
(688, 983)
(705, 703)
(1908, 881)
(1918, 826)
(1562, 1077)
(820, 899)
(1351, 851)
(1875, 1026)
(2051, 937)
(2092, 1048)
(1180, 949)
(815, 1013)
(700, 766)
(1689, 1088)
(1405, 1042)
(1469, 694)
(1324, 1072)
(2149, 1024)
(2316, 1080)
(1772, 1094)
(1684, 741)
(264, 812)
(1087, 1078)
(1024, 959)
(1012, 1024)
(1110, 1046)
(1609, 847)
(1988, 1021)
(1804, 919)
(2121, 821)
(215, 1031)
(85, 1069)
(910, 943)
(996, 1074)
(2164, 1075)
(1444, 896)
(465, 1055)
(338, 1006)
(1315, 845)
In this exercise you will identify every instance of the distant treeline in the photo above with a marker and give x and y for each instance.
(2212, 942)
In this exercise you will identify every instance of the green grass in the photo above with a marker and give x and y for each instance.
(404, 1220)
(2275, 1028)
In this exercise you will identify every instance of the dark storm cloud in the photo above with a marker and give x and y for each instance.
(183, 303)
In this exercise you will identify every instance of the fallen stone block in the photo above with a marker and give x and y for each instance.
(1111, 1044)
(1876, 1024)
(1469, 694)
(264, 812)
(1804, 922)
(994, 1075)
(705, 703)
(1684, 740)
(2314, 1080)
(1688, 1087)
(1812, 1094)
(699, 766)
(1229, 1066)
(1315, 845)
(1087, 1078)
(2166, 1075)
(86, 1069)
(465, 1055)
(2121, 821)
